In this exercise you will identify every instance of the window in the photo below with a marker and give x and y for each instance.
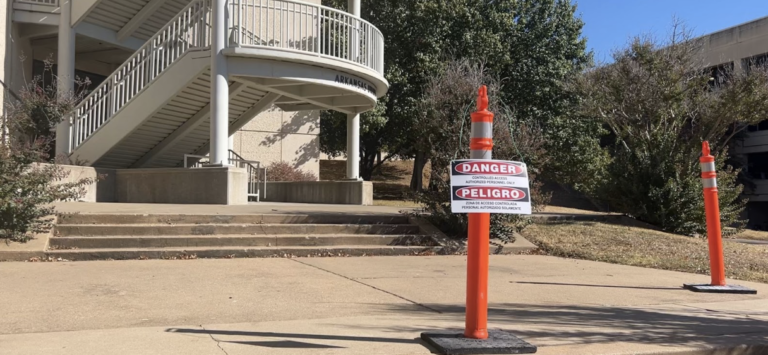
(719, 74)
(758, 165)
(758, 61)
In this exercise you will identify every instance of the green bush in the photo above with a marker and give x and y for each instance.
(29, 182)
(282, 171)
(659, 101)
(27, 190)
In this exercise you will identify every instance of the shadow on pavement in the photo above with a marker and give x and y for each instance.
(603, 286)
(285, 344)
(288, 343)
(585, 324)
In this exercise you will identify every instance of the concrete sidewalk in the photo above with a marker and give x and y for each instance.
(367, 305)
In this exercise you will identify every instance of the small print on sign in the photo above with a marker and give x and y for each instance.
(492, 186)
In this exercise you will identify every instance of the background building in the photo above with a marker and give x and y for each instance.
(739, 48)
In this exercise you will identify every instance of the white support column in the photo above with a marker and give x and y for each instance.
(353, 146)
(65, 73)
(353, 122)
(219, 86)
(353, 7)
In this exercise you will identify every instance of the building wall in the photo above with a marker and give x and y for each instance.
(736, 43)
(16, 68)
(4, 24)
(276, 135)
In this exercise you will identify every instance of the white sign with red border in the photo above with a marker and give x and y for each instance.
(490, 186)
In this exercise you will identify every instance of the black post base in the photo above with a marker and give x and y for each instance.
(498, 342)
(720, 289)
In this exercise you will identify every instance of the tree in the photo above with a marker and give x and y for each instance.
(533, 45)
(660, 101)
(445, 128)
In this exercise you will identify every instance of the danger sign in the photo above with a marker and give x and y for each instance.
(490, 186)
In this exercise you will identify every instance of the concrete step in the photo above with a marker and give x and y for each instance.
(232, 252)
(183, 241)
(231, 219)
(100, 230)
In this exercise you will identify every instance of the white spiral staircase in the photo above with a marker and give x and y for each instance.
(155, 107)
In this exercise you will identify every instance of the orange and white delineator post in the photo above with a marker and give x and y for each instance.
(714, 233)
(712, 210)
(481, 146)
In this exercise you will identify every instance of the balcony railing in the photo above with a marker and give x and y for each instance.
(307, 28)
(39, 2)
(286, 25)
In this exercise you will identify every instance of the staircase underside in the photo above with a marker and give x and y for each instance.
(171, 117)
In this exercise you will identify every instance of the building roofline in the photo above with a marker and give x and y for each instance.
(734, 27)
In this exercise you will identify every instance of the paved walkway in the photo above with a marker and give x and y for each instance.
(367, 305)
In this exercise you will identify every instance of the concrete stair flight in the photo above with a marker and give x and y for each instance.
(104, 236)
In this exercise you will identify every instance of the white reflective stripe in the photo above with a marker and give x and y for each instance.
(708, 183)
(707, 167)
(482, 130)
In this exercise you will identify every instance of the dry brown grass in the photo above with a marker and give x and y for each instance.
(751, 235)
(569, 210)
(646, 248)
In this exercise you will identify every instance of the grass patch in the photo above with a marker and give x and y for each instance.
(751, 235)
(645, 248)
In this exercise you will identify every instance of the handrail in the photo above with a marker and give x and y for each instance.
(185, 31)
(253, 174)
(39, 2)
(308, 28)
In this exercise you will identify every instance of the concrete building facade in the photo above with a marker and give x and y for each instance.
(739, 48)
(226, 82)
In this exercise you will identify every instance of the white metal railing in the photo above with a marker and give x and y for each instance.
(302, 27)
(275, 24)
(39, 2)
(188, 30)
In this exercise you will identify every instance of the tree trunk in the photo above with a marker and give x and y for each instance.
(417, 178)
(367, 166)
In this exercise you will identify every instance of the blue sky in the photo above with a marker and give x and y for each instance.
(610, 23)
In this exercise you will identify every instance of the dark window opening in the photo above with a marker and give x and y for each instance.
(758, 165)
(758, 61)
(46, 76)
(719, 74)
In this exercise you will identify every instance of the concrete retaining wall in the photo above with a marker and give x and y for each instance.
(327, 192)
(221, 186)
(103, 190)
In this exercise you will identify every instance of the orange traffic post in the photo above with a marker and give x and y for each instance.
(481, 146)
(714, 232)
(476, 338)
(712, 210)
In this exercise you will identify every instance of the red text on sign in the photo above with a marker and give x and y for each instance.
(490, 193)
(490, 167)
